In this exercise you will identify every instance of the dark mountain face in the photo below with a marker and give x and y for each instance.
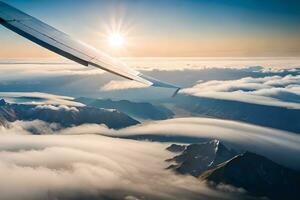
(197, 158)
(255, 174)
(136, 110)
(176, 148)
(258, 175)
(65, 117)
(263, 115)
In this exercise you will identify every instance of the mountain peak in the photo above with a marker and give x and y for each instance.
(2, 102)
(196, 158)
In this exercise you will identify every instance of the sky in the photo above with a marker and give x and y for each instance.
(166, 28)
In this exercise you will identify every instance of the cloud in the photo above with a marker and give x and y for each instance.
(37, 98)
(56, 108)
(271, 90)
(68, 166)
(52, 66)
(122, 85)
(230, 188)
(30, 127)
(76, 162)
(268, 64)
(280, 146)
(71, 79)
(12, 70)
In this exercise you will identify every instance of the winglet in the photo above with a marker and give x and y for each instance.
(176, 92)
(158, 83)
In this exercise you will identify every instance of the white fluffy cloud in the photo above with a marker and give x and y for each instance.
(56, 108)
(65, 166)
(270, 90)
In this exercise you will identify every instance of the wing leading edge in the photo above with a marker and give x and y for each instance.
(62, 44)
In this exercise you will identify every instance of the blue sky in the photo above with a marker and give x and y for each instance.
(170, 27)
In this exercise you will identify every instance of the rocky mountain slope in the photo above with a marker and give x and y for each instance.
(197, 158)
(257, 175)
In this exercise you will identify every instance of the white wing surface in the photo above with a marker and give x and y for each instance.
(64, 45)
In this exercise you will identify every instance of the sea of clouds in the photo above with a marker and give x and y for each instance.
(94, 162)
(65, 166)
(71, 79)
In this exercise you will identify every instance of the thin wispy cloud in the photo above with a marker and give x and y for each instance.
(63, 67)
(264, 64)
(42, 99)
(56, 108)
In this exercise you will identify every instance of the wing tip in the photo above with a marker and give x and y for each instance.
(176, 92)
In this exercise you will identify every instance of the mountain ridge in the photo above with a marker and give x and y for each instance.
(137, 110)
(257, 175)
(64, 115)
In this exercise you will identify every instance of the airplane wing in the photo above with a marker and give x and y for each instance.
(64, 45)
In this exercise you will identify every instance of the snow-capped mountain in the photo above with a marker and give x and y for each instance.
(197, 158)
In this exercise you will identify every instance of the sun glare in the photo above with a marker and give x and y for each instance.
(116, 40)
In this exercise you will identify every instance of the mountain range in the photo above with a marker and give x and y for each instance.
(64, 115)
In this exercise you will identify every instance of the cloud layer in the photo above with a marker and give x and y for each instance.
(90, 166)
(41, 99)
(71, 79)
(269, 90)
(280, 146)
(75, 162)
(197, 63)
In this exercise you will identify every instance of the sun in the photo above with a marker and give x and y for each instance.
(116, 40)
